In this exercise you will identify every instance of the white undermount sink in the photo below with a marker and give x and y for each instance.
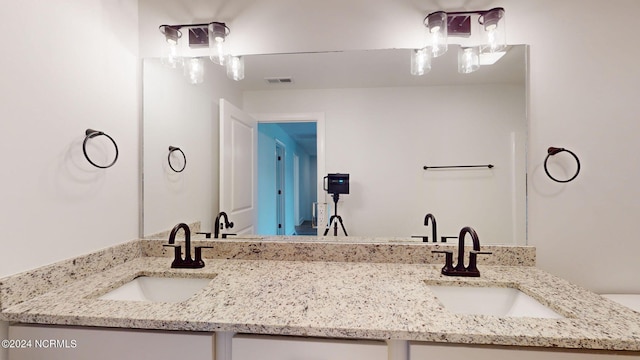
(496, 301)
(157, 289)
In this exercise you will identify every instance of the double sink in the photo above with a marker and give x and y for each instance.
(507, 301)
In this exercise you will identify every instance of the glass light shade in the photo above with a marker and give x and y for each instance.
(492, 27)
(235, 67)
(421, 61)
(217, 35)
(468, 59)
(170, 56)
(194, 70)
(436, 24)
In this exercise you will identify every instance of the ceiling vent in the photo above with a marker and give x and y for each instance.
(279, 80)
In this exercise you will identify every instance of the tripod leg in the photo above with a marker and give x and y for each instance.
(341, 224)
(331, 220)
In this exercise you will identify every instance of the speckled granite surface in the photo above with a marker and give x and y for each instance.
(336, 299)
(384, 250)
(27, 285)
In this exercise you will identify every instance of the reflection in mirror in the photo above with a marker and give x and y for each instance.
(382, 126)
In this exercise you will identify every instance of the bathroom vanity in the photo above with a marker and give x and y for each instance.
(336, 300)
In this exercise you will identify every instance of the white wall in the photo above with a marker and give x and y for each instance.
(581, 98)
(66, 66)
(383, 137)
(81, 72)
(183, 115)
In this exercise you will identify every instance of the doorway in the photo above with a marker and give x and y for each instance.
(287, 177)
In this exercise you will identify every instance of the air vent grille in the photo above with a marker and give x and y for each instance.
(279, 80)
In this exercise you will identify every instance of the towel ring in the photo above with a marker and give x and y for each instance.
(172, 149)
(555, 150)
(90, 133)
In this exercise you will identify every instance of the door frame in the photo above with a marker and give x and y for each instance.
(296, 189)
(281, 197)
(318, 118)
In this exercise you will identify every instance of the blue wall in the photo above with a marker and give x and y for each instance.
(268, 133)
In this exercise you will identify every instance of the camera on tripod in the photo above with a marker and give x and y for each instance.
(336, 184)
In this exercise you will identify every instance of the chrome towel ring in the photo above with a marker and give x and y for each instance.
(554, 150)
(171, 150)
(89, 134)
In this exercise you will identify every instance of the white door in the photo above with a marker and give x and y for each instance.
(238, 167)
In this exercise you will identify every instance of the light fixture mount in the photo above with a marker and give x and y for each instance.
(459, 25)
(198, 37)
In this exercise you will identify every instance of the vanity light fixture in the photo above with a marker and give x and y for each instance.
(212, 36)
(421, 61)
(488, 36)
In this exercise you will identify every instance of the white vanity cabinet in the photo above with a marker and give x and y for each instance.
(429, 351)
(37, 342)
(254, 347)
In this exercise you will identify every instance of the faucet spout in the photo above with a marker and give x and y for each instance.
(476, 246)
(434, 229)
(187, 239)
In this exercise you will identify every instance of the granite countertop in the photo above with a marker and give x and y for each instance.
(336, 299)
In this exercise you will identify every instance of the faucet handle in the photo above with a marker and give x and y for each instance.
(444, 238)
(224, 236)
(198, 260)
(478, 252)
(206, 234)
(473, 260)
(172, 245)
(448, 262)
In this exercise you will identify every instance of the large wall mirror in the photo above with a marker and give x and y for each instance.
(381, 125)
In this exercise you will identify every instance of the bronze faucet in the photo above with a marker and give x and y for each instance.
(187, 262)
(460, 269)
(434, 229)
(221, 225)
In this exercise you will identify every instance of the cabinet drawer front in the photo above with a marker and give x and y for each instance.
(247, 347)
